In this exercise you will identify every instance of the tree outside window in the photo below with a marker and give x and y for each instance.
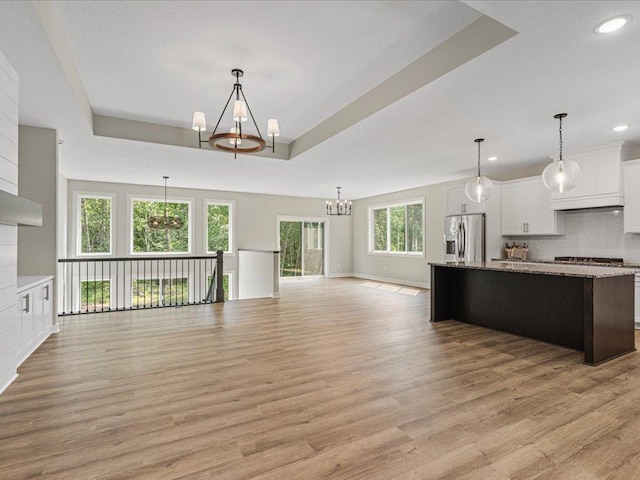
(218, 227)
(95, 225)
(150, 240)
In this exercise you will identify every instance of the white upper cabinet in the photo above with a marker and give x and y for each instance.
(600, 181)
(632, 196)
(526, 209)
(458, 203)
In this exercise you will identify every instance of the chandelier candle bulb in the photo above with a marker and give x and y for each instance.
(234, 141)
(342, 206)
(199, 122)
(239, 111)
(273, 129)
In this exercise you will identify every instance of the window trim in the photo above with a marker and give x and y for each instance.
(371, 228)
(77, 198)
(232, 224)
(150, 198)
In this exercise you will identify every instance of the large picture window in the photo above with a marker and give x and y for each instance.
(397, 228)
(219, 226)
(94, 224)
(150, 240)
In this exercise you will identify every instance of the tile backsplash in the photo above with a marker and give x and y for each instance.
(589, 233)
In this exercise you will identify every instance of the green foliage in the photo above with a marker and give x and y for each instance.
(147, 239)
(290, 249)
(175, 291)
(397, 223)
(380, 229)
(218, 228)
(95, 295)
(414, 228)
(95, 225)
(298, 239)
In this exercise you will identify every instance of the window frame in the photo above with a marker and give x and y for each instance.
(232, 224)
(77, 198)
(388, 206)
(150, 198)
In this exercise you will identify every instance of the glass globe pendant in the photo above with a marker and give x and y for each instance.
(479, 188)
(561, 175)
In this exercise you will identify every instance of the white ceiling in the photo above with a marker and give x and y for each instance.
(159, 61)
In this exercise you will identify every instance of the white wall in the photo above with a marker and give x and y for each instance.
(255, 220)
(589, 233)
(9, 327)
(38, 148)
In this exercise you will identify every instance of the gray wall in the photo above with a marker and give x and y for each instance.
(38, 173)
(255, 220)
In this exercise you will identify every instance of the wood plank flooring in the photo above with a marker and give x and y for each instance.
(333, 380)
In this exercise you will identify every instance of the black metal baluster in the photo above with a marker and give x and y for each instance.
(102, 285)
(94, 287)
(117, 285)
(110, 291)
(133, 289)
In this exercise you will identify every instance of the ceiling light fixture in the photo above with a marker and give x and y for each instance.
(164, 222)
(478, 189)
(342, 206)
(620, 128)
(236, 141)
(613, 24)
(561, 175)
(492, 159)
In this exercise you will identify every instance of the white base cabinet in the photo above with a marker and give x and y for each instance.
(526, 209)
(35, 309)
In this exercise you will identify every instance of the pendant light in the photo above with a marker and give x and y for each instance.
(237, 140)
(164, 222)
(478, 189)
(561, 175)
(342, 206)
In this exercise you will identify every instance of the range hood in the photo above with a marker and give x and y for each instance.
(19, 211)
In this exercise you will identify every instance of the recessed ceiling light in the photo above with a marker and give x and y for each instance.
(613, 24)
(492, 159)
(620, 128)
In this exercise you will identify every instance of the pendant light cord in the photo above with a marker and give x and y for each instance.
(478, 159)
(560, 130)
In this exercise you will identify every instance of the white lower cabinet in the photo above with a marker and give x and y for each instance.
(35, 305)
(526, 209)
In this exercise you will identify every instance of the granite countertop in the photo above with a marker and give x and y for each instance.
(564, 270)
(560, 262)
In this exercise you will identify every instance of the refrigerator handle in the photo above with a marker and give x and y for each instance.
(464, 242)
(459, 241)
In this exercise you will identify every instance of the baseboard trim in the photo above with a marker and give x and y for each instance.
(9, 382)
(340, 275)
(395, 281)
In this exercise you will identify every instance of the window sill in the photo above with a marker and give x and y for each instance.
(397, 254)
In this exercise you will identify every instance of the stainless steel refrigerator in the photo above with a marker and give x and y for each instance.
(464, 238)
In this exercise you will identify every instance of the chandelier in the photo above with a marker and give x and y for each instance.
(478, 189)
(164, 222)
(561, 175)
(237, 140)
(342, 206)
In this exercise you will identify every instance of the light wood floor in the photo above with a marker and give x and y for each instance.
(333, 380)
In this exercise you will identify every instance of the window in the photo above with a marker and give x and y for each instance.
(94, 223)
(95, 295)
(150, 240)
(219, 226)
(397, 229)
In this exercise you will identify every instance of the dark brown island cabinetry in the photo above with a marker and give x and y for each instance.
(590, 309)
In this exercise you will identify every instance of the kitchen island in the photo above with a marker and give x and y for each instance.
(585, 308)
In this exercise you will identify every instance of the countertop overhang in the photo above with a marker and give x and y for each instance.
(579, 271)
